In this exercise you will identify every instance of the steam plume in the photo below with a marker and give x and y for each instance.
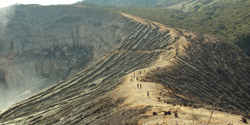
(5, 15)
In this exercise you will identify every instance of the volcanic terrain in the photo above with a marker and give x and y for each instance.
(185, 73)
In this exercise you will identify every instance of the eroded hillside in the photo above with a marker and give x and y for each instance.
(177, 62)
(43, 45)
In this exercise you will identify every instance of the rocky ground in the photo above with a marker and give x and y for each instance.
(43, 45)
(170, 63)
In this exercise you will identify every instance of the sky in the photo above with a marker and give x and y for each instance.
(5, 3)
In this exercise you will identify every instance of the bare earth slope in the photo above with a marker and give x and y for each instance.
(106, 93)
(43, 45)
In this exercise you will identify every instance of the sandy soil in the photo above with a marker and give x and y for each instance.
(137, 97)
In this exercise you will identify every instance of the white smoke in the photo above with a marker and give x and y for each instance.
(7, 97)
(5, 15)
(18, 91)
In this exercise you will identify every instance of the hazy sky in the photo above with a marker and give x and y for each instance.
(4, 3)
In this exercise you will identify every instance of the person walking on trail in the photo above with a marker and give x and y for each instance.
(148, 93)
(140, 86)
(137, 85)
(137, 79)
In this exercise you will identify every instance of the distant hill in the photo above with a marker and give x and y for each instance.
(147, 3)
(124, 3)
(226, 20)
(185, 5)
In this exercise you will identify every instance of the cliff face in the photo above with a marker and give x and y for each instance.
(191, 64)
(43, 45)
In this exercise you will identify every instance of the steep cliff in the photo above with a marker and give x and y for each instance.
(186, 63)
(43, 45)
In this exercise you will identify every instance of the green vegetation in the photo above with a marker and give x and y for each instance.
(229, 21)
(126, 3)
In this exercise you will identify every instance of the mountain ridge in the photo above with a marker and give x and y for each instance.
(90, 96)
(213, 20)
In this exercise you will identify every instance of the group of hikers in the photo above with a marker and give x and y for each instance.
(139, 86)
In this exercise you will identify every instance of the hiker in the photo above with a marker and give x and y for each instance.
(148, 93)
(137, 79)
(137, 85)
(176, 115)
(140, 86)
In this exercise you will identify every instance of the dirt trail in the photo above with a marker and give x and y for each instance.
(138, 98)
(159, 94)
